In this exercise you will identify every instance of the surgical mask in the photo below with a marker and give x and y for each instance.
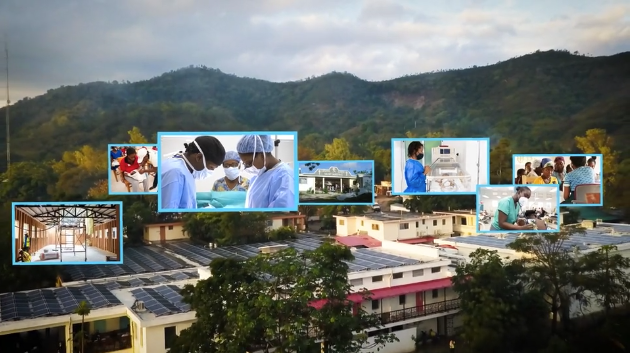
(232, 173)
(523, 201)
(205, 173)
(253, 167)
(419, 156)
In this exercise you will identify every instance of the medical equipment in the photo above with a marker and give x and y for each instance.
(221, 199)
(446, 173)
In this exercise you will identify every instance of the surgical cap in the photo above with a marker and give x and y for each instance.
(255, 143)
(231, 156)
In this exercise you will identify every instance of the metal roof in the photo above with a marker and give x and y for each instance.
(52, 215)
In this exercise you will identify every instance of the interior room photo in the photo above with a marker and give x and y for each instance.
(542, 205)
(441, 166)
(209, 190)
(67, 233)
(134, 173)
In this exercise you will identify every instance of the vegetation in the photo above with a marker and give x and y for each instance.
(266, 302)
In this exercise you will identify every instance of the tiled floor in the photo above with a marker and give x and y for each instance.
(68, 256)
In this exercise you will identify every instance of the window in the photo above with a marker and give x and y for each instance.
(423, 223)
(464, 221)
(443, 222)
(356, 282)
(417, 224)
(435, 222)
(377, 279)
(170, 227)
(404, 226)
(435, 293)
(375, 227)
(436, 269)
(303, 181)
(398, 275)
(417, 273)
(269, 223)
(376, 304)
(342, 222)
(402, 299)
(361, 223)
(170, 334)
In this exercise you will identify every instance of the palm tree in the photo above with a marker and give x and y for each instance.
(84, 310)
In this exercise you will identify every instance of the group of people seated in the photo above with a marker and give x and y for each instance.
(580, 171)
(134, 173)
(272, 185)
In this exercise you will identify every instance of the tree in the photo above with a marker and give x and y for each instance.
(607, 277)
(83, 310)
(265, 303)
(554, 270)
(499, 314)
(229, 228)
(338, 150)
(29, 181)
(306, 154)
(79, 170)
(282, 233)
(501, 163)
(597, 141)
(99, 190)
(136, 137)
(307, 212)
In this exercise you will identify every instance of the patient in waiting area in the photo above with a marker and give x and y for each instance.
(530, 217)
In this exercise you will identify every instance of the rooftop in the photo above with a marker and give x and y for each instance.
(394, 216)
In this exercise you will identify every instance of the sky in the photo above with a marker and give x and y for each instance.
(66, 42)
(349, 166)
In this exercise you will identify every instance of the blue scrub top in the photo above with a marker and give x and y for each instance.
(414, 176)
(178, 189)
(273, 189)
(510, 209)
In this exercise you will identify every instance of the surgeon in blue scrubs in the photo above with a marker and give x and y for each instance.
(415, 171)
(273, 185)
(196, 162)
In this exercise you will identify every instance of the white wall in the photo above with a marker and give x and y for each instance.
(405, 343)
(153, 337)
(170, 144)
(473, 158)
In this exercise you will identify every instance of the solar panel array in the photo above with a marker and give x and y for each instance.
(592, 238)
(137, 260)
(53, 302)
(365, 259)
(162, 300)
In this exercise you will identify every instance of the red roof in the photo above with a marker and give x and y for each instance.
(394, 291)
(422, 240)
(447, 246)
(359, 240)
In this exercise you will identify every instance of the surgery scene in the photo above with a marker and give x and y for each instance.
(509, 209)
(579, 176)
(437, 166)
(133, 169)
(227, 172)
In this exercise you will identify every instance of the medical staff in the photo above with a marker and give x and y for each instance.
(508, 209)
(196, 162)
(233, 181)
(415, 171)
(274, 183)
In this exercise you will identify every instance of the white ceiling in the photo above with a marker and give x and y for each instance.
(539, 193)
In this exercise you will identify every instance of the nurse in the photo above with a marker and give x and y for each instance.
(233, 181)
(508, 210)
(415, 171)
(196, 162)
(273, 185)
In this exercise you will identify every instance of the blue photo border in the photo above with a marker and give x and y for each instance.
(513, 189)
(14, 205)
(394, 140)
(160, 135)
(340, 203)
(600, 162)
(109, 178)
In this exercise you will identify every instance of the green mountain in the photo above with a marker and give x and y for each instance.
(545, 98)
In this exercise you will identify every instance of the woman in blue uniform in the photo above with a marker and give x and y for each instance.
(196, 162)
(415, 171)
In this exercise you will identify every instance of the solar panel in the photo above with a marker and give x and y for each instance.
(109, 296)
(172, 308)
(145, 260)
(94, 297)
(135, 282)
(52, 303)
(162, 258)
(194, 274)
(113, 285)
(133, 266)
(158, 279)
(7, 307)
(117, 270)
(151, 303)
(180, 276)
(22, 306)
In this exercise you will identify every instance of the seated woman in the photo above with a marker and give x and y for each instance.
(415, 171)
(519, 176)
(545, 176)
(233, 181)
(508, 209)
(132, 169)
(581, 174)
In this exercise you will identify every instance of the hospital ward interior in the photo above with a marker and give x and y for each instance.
(211, 192)
(455, 165)
(585, 183)
(541, 207)
(67, 233)
(136, 174)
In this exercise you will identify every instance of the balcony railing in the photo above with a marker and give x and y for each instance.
(419, 311)
(106, 342)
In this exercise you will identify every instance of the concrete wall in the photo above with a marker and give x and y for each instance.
(395, 230)
(153, 337)
(171, 231)
(405, 342)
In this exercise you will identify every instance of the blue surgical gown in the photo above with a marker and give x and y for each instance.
(177, 188)
(272, 189)
(414, 176)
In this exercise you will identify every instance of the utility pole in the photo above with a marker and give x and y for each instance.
(6, 54)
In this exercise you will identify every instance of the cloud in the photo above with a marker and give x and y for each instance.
(65, 42)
